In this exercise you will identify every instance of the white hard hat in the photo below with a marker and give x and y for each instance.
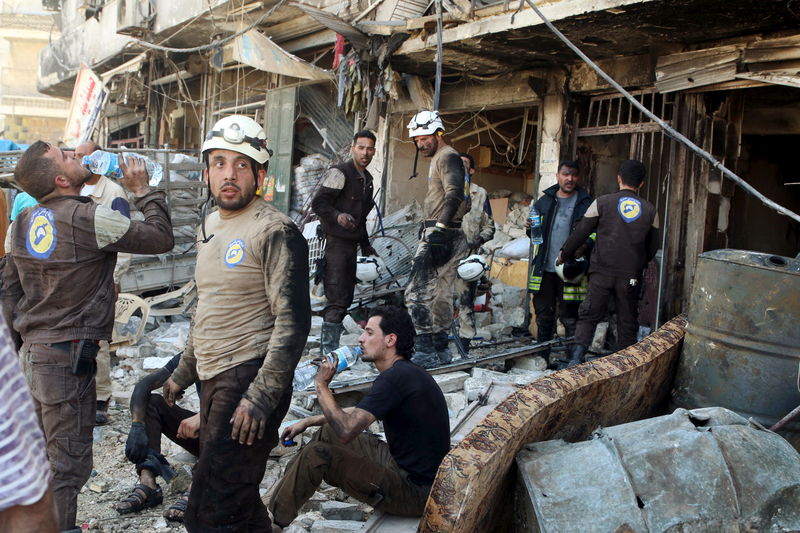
(367, 268)
(425, 123)
(241, 134)
(472, 268)
(572, 271)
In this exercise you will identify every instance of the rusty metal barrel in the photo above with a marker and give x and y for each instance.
(742, 344)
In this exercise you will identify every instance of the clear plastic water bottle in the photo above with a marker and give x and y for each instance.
(536, 226)
(107, 164)
(343, 357)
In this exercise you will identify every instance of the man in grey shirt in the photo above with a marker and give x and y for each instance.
(560, 207)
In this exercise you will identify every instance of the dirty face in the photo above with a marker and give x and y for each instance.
(230, 178)
(567, 178)
(363, 150)
(68, 167)
(373, 341)
(427, 144)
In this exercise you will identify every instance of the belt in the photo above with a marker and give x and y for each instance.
(432, 223)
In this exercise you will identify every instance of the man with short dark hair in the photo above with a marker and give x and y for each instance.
(560, 208)
(342, 204)
(627, 239)
(394, 477)
(59, 295)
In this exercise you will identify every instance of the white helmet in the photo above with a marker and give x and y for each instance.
(367, 268)
(472, 268)
(425, 123)
(239, 134)
(572, 271)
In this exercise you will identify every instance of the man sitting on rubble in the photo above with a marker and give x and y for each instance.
(249, 330)
(150, 418)
(394, 477)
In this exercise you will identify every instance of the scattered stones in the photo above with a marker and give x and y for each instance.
(451, 381)
(98, 485)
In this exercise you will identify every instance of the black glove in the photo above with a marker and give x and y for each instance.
(440, 244)
(137, 444)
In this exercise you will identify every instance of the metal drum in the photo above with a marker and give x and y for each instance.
(742, 344)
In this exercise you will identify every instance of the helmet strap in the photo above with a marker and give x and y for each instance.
(416, 158)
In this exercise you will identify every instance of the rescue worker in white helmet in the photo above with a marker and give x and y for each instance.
(429, 295)
(342, 204)
(478, 228)
(248, 332)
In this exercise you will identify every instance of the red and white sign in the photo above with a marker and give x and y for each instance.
(88, 98)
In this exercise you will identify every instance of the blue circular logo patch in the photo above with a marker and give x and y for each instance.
(41, 233)
(234, 254)
(629, 208)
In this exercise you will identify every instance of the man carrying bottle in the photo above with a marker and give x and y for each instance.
(249, 329)
(58, 293)
(560, 208)
(393, 476)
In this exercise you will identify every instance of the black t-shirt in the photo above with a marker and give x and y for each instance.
(414, 414)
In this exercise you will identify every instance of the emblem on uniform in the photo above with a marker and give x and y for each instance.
(234, 254)
(629, 208)
(41, 233)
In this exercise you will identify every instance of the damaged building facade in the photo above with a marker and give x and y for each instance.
(723, 73)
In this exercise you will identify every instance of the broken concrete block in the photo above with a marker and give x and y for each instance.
(139, 351)
(485, 333)
(529, 375)
(456, 402)
(122, 398)
(315, 502)
(482, 319)
(350, 326)
(333, 510)
(118, 373)
(530, 362)
(513, 316)
(336, 526)
(499, 331)
(451, 381)
(153, 363)
(514, 297)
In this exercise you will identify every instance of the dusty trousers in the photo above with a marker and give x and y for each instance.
(545, 302)
(161, 419)
(103, 377)
(363, 468)
(224, 495)
(340, 277)
(465, 295)
(65, 406)
(429, 295)
(594, 308)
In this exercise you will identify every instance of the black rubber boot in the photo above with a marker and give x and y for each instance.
(442, 346)
(424, 352)
(577, 355)
(465, 342)
(569, 327)
(329, 337)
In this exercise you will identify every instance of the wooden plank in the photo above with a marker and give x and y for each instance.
(642, 127)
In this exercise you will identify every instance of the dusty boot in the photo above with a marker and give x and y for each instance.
(569, 327)
(442, 346)
(329, 337)
(424, 352)
(577, 355)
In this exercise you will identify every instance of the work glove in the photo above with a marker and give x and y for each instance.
(137, 444)
(440, 244)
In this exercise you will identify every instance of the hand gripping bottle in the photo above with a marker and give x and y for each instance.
(343, 358)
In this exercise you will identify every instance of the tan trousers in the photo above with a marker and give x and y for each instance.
(65, 405)
(363, 468)
(103, 377)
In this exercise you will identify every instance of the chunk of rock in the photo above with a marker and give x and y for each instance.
(336, 526)
(451, 381)
(333, 510)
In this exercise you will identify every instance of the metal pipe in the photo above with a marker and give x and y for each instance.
(438, 87)
(786, 419)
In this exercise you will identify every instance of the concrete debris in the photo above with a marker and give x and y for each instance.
(336, 526)
(154, 363)
(333, 510)
(452, 381)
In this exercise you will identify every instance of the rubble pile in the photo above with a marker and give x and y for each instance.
(330, 509)
(306, 178)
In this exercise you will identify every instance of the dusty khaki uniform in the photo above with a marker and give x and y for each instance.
(478, 228)
(251, 324)
(58, 288)
(429, 295)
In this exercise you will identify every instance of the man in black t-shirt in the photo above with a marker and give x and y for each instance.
(394, 477)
